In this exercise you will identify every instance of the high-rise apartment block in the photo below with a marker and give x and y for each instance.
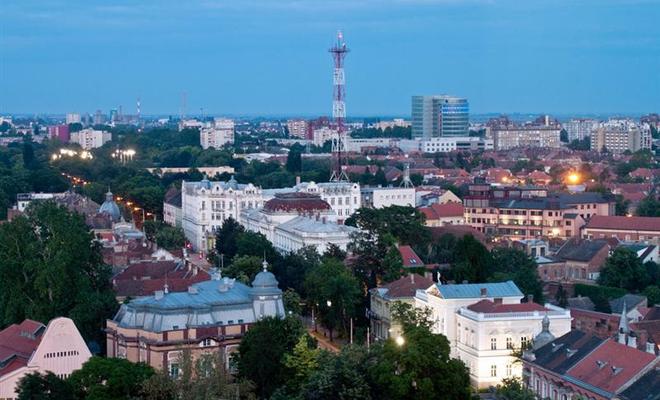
(60, 132)
(297, 128)
(217, 135)
(91, 138)
(578, 129)
(619, 136)
(73, 118)
(512, 136)
(437, 116)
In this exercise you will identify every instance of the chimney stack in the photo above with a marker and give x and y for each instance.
(632, 341)
(530, 298)
(484, 292)
(650, 348)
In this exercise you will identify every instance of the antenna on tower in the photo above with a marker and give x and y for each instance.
(339, 51)
(138, 109)
(406, 182)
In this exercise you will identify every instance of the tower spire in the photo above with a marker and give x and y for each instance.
(339, 51)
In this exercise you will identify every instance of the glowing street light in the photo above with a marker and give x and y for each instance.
(400, 341)
(574, 178)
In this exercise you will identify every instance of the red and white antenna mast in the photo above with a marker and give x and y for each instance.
(338, 51)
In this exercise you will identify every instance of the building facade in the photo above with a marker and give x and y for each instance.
(628, 229)
(437, 116)
(579, 129)
(210, 318)
(91, 138)
(297, 128)
(510, 137)
(60, 132)
(379, 197)
(617, 139)
(530, 213)
(31, 347)
(205, 205)
(489, 331)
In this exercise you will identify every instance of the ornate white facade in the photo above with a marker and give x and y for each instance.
(205, 205)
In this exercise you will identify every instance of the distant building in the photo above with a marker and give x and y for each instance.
(443, 214)
(295, 220)
(210, 317)
(60, 132)
(379, 197)
(206, 205)
(530, 212)
(527, 136)
(31, 347)
(395, 123)
(99, 118)
(439, 116)
(172, 213)
(445, 144)
(73, 118)
(322, 135)
(91, 138)
(220, 133)
(579, 129)
(619, 139)
(629, 229)
(297, 128)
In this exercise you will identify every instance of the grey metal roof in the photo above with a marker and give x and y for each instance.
(631, 300)
(473, 290)
(580, 250)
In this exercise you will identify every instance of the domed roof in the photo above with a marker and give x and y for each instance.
(265, 279)
(110, 207)
(545, 336)
(296, 202)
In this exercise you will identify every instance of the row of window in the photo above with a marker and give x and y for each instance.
(509, 343)
(58, 354)
(508, 371)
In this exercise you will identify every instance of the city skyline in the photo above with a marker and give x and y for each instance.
(258, 58)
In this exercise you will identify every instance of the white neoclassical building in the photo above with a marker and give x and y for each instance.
(485, 322)
(344, 197)
(295, 220)
(205, 205)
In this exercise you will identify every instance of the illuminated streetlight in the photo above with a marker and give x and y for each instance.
(574, 178)
(329, 303)
(400, 341)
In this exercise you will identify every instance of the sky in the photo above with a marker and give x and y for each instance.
(269, 57)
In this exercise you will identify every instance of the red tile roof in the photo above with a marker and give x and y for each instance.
(409, 257)
(144, 278)
(299, 202)
(624, 223)
(622, 364)
(406, 286)
(437, 211)
(488, 306)
(17, 343)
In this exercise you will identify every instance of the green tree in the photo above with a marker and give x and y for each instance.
(301, 363)
(513, 389)
(335, 291)
(51, 266)
(292, 302)
(294, 159)
(342, 376)
(516, 265)
(255, 244)
(261, 353)
(109, 378)
(244, 268)
(472, 261)
(226, 238)
(292, 268)
(652, 293)
(649, 207)
(37, 386)
(623, 269)
(170, 238)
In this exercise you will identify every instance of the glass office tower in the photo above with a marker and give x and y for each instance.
(438, 116)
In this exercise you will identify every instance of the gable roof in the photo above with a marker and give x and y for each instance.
(631, 300)
(474, 290)
(409, 257)
(404, 287)
(620, 363)
(436, 211)
(555, 357)
(17, 343)
(645, 388)
(619, 223)
(580, 250)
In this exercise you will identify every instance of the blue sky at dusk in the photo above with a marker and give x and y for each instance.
(269, 57)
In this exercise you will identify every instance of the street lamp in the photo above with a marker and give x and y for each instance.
(329, 303)
(400, 341)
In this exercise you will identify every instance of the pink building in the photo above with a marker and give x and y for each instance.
(31, 347)
(60, 132)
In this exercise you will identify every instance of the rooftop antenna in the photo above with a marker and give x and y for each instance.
(138, 109)
(339, 51)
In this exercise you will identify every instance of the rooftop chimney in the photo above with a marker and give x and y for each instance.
(484, 292)
(298, 180)
(159, 294)
(530, 298)
(650, 348)
(632, 341)
(412, 278)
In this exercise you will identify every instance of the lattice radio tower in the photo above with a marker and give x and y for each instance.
(338, 51)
